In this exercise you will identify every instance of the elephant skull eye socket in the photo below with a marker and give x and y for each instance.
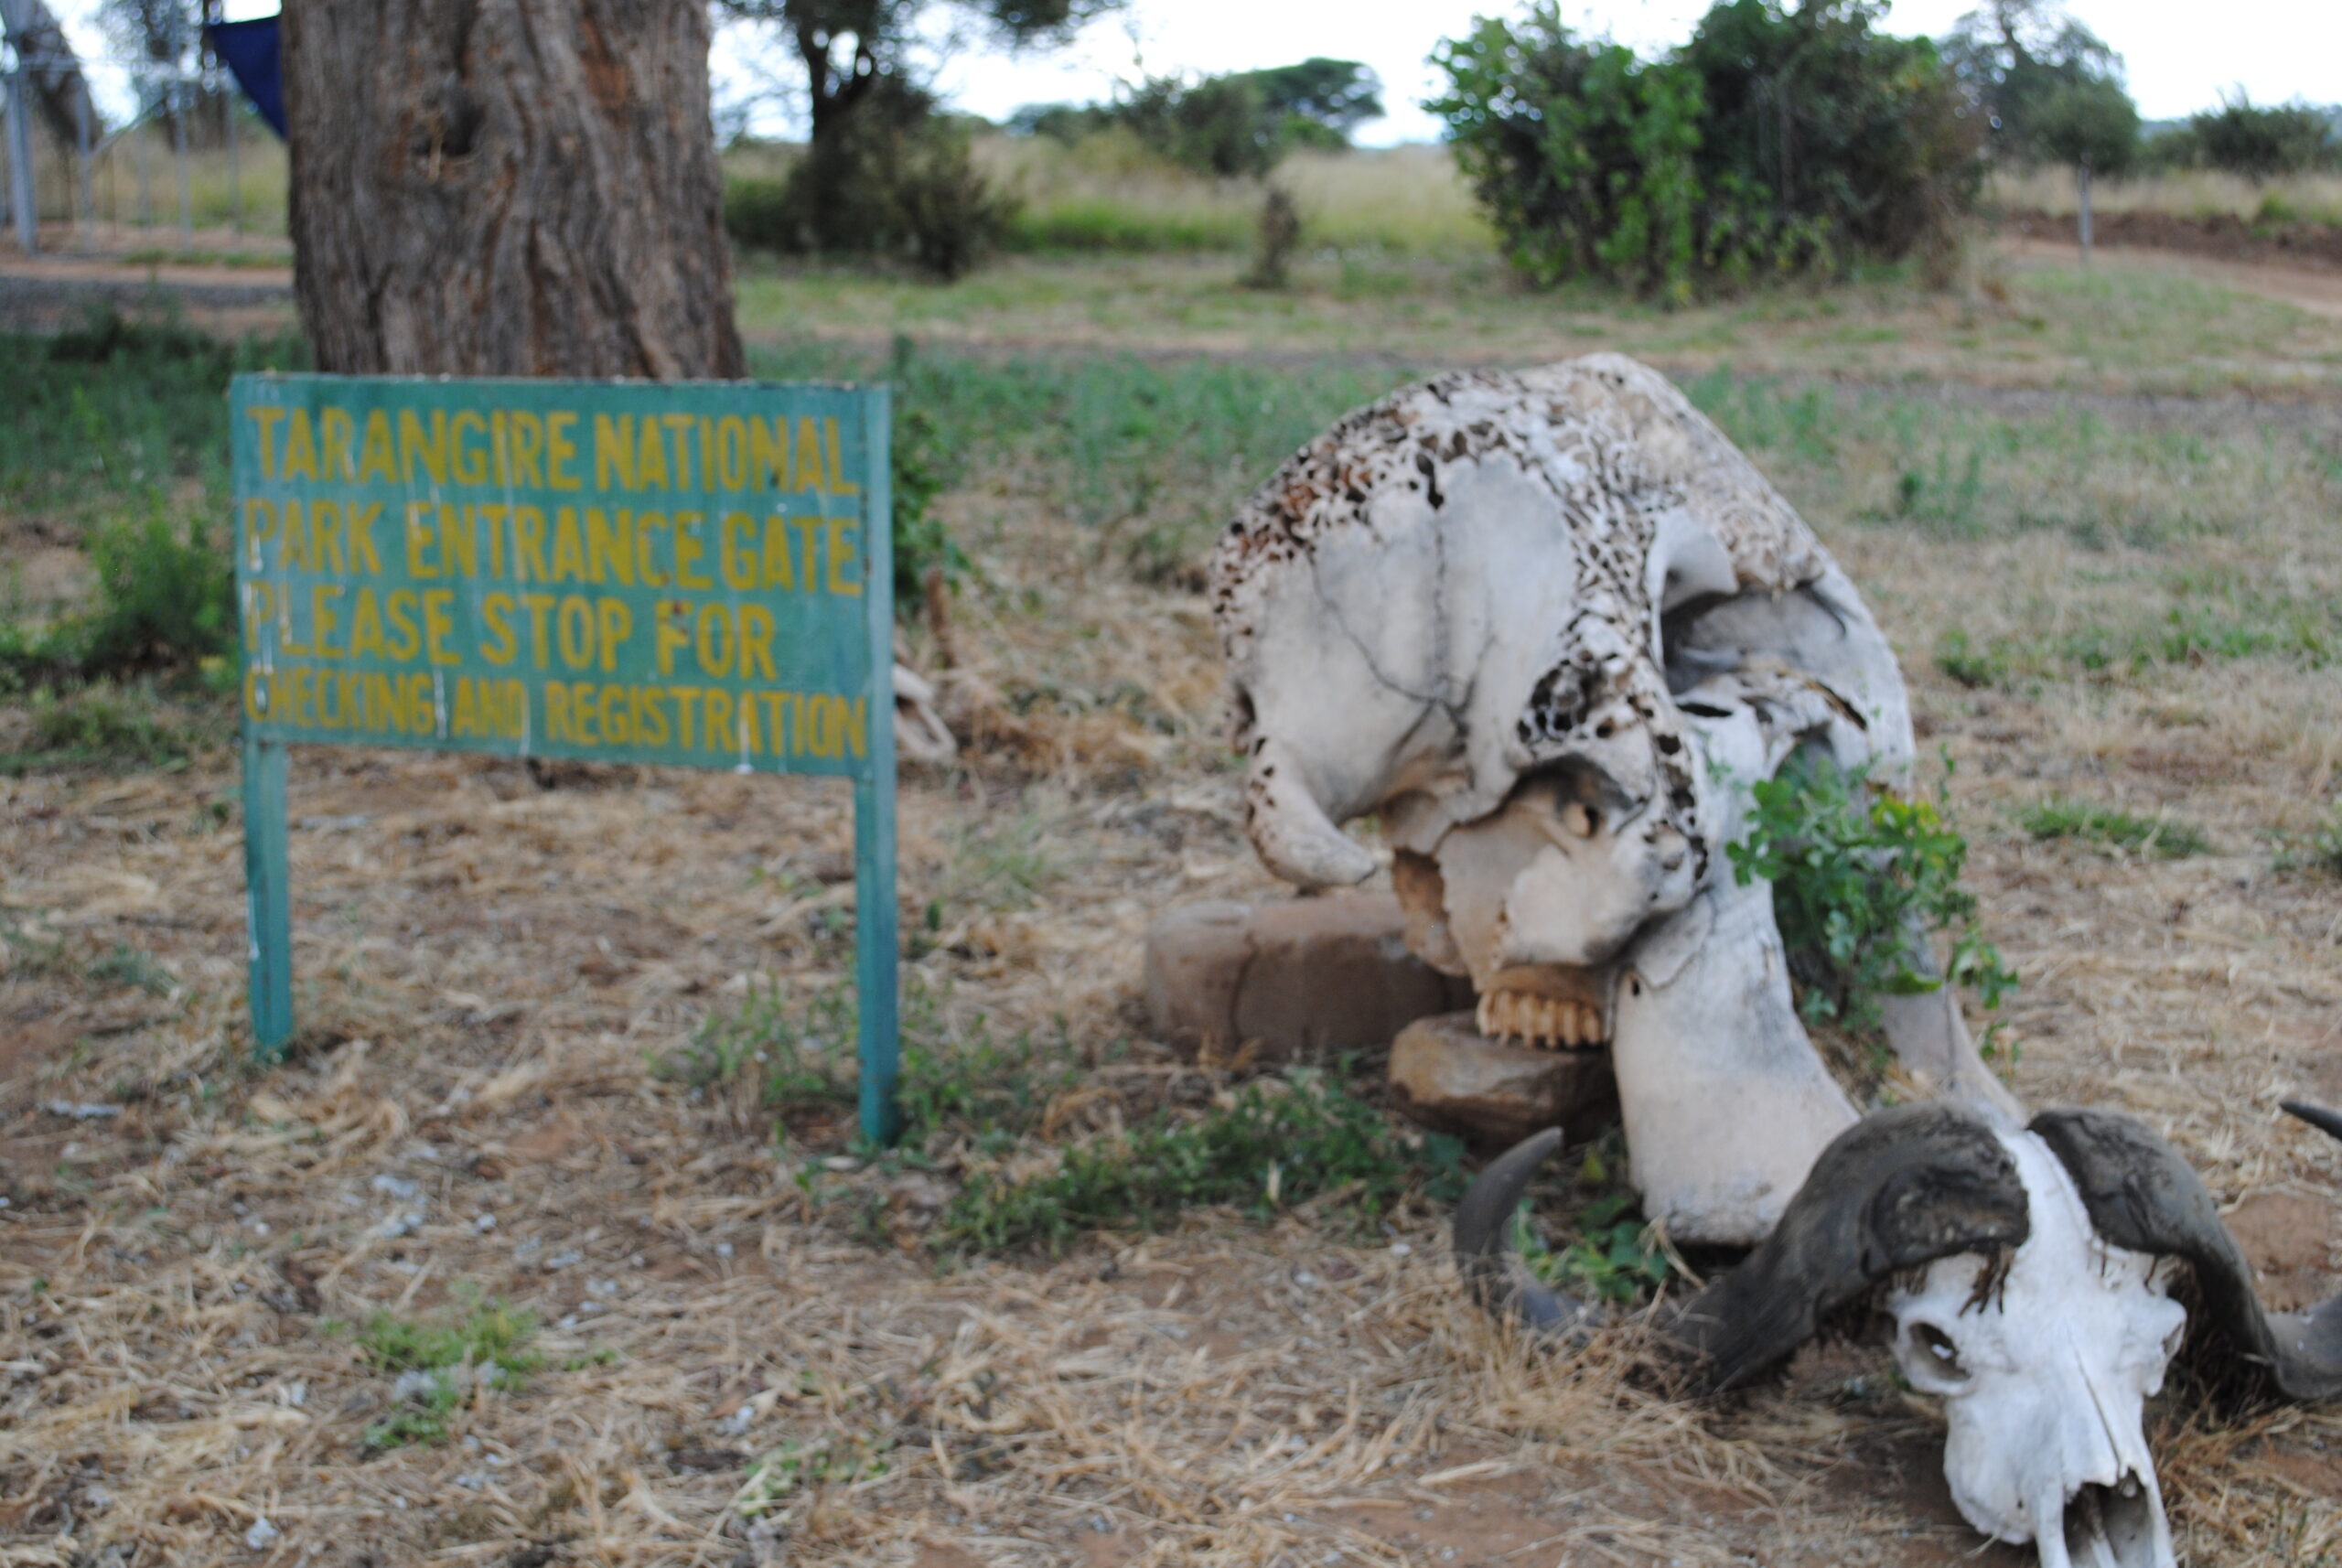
(1941, 1353)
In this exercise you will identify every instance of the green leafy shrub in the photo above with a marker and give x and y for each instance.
(1612, 1259)
(1863, 879)
(1269, 1147)
(2085, 820)
(1775, 142)
(98, 724)
(895, 180)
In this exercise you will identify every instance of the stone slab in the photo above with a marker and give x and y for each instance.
(1300, 980)
(1451, 1077)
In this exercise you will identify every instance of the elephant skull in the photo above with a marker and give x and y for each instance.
(1549, 627)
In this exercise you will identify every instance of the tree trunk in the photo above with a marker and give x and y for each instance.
(2081, 191)
(518, 187)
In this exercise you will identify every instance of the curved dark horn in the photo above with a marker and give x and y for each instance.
(2141, 1195)
(2326, 1122)
(1484, 1239)
(1897, 1190)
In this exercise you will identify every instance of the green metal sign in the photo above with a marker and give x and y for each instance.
(694, 574)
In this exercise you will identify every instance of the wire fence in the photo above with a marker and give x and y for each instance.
(194, 167)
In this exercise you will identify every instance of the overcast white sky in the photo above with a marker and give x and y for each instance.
(2180, 53)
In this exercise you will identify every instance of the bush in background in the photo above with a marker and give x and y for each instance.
(896, 181)
(1233, 126)
(1774, 143)
(2259, 143)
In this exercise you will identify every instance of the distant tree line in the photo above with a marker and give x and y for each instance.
(1232, 126)
(1801, 138)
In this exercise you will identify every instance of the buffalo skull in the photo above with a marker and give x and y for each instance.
(2025, 1277)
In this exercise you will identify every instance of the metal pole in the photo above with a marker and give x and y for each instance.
(235, 170)
(143, 132)
(20, 158)
(88, 215)
(178, 154)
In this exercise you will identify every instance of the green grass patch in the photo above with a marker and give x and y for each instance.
(2160, 837)
(796, 1057)
(437, 1364)
(1272, 1146)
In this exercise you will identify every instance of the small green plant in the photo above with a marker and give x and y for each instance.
(1612, 1257)
(833, 1459)
(97, 726)
(1271, 1146)
(437, 1364)
(2325, 844)
(1972, 666)
(1862, 880)
(128, 966)
(2157, 836)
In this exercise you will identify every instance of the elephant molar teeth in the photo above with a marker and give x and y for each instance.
(1549, 1023)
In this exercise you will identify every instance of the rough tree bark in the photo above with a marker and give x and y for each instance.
(507, 188)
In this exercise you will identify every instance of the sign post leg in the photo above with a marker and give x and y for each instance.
(876, 941)
(267, 891)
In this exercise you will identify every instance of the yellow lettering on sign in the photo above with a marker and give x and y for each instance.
(366, 626)
(732, 451)
(756, 631)
(690, 548)
(614, 467)
(540, 607)
(459, 541)
(612, 624)
(415, 446)
(769, 454)
(360, 519)
(293, 553)
(324, 537)
(670, 633)
(471, 458)
(650, 457)
(336, 431)
(376, 459)
(496, 614)
(557, 713)
(568, 547)
(646, 523)
(300, 447)
(419, 539)
(398, 609)
(560, 450)
(739, 561)
(529, 545)
(809, 457)
(527, 446)
(264, 422)
(609, 551)
(842, 555)
(439, 624)
(680, 425)
(839, 485)
(323, 619)
(779, 573)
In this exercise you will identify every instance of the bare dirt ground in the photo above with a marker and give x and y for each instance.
(2314, 288)
(492, 971)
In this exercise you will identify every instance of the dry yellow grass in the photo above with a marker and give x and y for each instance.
(2187, 193)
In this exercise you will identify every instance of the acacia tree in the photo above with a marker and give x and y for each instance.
(507, 188)
(873, 122)
(2092, 127)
